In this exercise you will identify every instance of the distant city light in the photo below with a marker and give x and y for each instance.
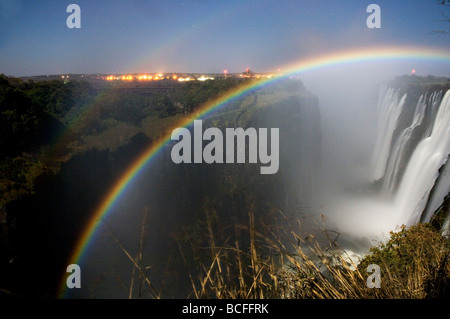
(182, 78)
(204, 78)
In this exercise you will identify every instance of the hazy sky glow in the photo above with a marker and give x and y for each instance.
(203, 35)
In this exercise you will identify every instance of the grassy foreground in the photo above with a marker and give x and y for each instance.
(259, 261)
(277, 263)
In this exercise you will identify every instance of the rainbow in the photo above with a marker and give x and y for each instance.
(298, 68)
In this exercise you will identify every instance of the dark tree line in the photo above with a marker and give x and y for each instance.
(192, 95)
(23, 123)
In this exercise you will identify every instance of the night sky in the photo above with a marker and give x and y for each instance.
(118, 36)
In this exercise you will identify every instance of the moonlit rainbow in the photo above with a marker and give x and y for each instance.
(298, 68)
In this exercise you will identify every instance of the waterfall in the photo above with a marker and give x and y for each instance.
(415, 162)
(390, 106)
(408, 139)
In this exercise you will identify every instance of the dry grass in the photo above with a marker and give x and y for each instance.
(257, 260)
(260, 261)
(137, 263)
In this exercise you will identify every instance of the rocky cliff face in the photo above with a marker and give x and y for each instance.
(230, 188)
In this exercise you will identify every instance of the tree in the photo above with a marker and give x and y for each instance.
(416, 260)
(20, 120)
(446, 17)
(163, 105)
(57, 97)
(24, 123)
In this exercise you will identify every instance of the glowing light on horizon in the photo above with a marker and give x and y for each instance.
(204, 78)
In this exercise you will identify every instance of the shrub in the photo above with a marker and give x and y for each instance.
(415, 262)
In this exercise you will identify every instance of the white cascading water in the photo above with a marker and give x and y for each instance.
(409, 165)
(411, 186)
(390, 106)
(422, 126)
